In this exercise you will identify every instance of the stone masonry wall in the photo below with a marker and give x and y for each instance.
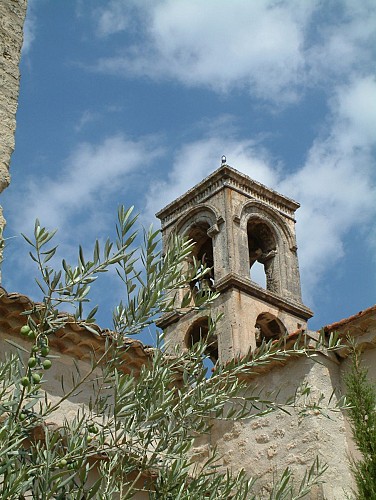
(12, 16)
(265, 446)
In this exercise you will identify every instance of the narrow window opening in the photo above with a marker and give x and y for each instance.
(258, 274)
(262, 250)
(203, 253)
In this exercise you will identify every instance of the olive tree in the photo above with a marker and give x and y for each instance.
(138, 432)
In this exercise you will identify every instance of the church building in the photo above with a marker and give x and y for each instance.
(245, 232)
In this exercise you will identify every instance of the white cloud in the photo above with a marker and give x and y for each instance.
(111, 19)
(345, 43)
(356, 104)
(100, 113)
(88, 116)
(76, 201)
(337, 184)
(194, 161)
(273, 50)
(216, 44)
(30, 27)
(90, 176)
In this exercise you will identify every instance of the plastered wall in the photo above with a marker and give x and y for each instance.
(265, 446)
(63, 368)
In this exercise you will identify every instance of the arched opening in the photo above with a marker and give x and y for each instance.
(268, 327)
(199, 330)
(203, 253)
(262, 250)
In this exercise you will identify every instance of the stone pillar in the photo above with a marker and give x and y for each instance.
(12, 16)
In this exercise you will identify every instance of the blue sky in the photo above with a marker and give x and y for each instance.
(135, 101)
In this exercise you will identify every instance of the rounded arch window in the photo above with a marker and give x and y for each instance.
(262, 250)
(203, 253)
(199, 330)
(268, 327)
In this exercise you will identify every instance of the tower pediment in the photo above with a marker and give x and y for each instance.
(226, 177)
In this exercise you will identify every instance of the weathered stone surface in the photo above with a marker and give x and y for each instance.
(236, 222)
(265, 446)
(12, 16)
(262, 446)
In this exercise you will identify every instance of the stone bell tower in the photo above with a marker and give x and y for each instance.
(239, 225)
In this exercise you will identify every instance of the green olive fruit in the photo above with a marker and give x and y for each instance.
(25, 330)
(23, 416)
(35, 348)
(93, 429)
(44, 350)
(63, 463)
(31, 335)
(46, 364)
(32, 362)
(36, 378)
(25, 382)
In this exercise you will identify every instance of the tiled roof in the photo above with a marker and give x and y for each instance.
(77, 340)
(74, 339)
(358, 321)
(361, 327)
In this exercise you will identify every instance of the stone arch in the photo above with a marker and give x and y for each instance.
(198, 330)
(265, 246)
(268, 327)
(198, 214)
(199, 224)
(268, 241)
(271, 216)
(262, 248)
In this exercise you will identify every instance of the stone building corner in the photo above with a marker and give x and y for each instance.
(12, 17)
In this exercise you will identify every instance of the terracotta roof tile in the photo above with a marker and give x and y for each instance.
(77, 341)
(74, 339)
(351, 320)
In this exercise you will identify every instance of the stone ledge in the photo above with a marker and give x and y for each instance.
(246, 285)
(223, 177)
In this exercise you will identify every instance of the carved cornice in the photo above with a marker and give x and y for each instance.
(224, 177)
(167, 319)
(246, 285)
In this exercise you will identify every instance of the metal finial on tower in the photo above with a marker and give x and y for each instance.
(223, 160)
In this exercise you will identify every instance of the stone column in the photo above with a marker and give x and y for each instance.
(12, 16)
